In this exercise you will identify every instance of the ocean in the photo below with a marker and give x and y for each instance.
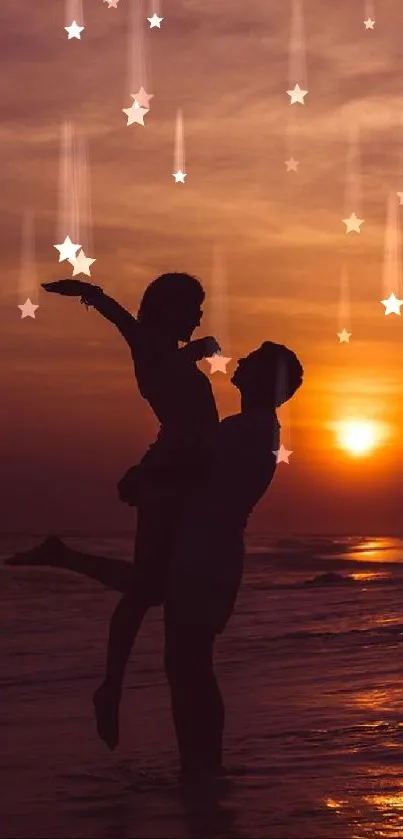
(311, 671)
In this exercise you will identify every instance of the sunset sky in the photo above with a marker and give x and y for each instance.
(72, 419)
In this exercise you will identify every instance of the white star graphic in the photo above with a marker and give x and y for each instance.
(369, 23)
(67, 249)
(297, 95)
(112, 4)
(74, 30)
(81, 264)
(344, 336)
(282, 454)
(291, 164)
(218, 363)
(353, 223)
(135, 113)
(179, 176)
(28, 309)
(392, 305)
(142, 98)
(155, 21)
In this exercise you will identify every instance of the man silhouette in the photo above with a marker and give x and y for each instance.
(208, 562)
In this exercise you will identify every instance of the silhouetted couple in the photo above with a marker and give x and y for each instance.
(194, 490)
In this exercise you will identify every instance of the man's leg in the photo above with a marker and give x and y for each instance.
(197, 705)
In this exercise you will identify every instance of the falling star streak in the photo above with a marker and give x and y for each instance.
(392, 269)
(297, 71)
(179, 151)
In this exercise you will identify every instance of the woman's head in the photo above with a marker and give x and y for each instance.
(172, 304)
(269, 376)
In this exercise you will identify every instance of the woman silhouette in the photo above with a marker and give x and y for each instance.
(182, 399)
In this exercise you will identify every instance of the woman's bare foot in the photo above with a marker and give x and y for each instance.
(106, 703)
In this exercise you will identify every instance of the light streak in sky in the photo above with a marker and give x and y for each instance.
(83, 191)
(344, 315)
(400, 164)
(392, 268)
(218, 314)
(81, 263)
(291, 137)
(297, 72)
(67, 216)
(353, 192)
(74, 212)
(179, 153)
(74, 18)
(28, 280)
(369, 13)
(283, 452)
(155, 18)
(138, 71)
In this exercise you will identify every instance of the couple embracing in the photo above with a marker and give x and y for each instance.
(194, 490)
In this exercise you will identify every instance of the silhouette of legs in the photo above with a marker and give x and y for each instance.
(152, 558)
(197, 705)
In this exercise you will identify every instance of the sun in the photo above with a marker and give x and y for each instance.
(359, 437)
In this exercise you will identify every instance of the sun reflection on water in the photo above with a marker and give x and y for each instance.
(372, 816)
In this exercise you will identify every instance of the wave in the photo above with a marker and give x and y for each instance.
(330, 578)
(321, 563)
(382, 634)
(326, 580)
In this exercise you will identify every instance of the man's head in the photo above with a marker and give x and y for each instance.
(172, 305)
(267, 377)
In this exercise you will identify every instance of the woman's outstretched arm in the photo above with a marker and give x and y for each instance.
(92, 295)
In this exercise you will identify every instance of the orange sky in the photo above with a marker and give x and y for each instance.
(72, 420)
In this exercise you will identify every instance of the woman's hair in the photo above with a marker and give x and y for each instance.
(281, 368)
(169, 293)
